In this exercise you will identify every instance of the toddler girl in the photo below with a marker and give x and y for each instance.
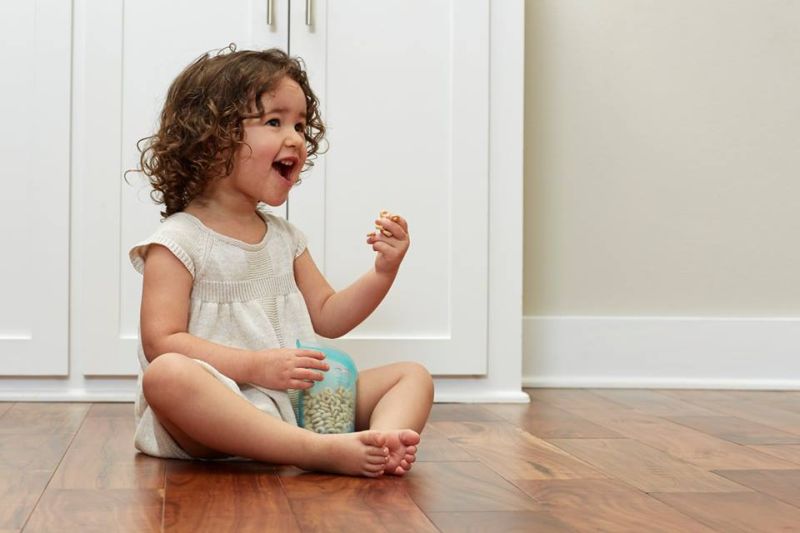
(228, 287)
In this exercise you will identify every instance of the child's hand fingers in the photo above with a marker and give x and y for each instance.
(394, 218)
(386, 249)
(300, 384)
(395, 228)
(305, 374)
(309, 362)
(401, 221)
(310, 353)
(391, 225)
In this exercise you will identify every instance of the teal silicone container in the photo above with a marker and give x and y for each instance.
(330, 405)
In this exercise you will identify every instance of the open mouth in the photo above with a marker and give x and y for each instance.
(284, 168)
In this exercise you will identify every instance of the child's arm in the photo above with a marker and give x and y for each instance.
(164, 323)
(335, 313)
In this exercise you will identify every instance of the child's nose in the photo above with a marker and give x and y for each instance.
(295, 138)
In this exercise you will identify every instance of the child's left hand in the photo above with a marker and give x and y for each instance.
(391, 241)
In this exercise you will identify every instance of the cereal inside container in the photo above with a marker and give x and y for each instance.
(330, 405)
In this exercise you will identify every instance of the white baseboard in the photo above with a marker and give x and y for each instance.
(70, 389)
(448, 394)
(662, 352)
(67, 396)
(448, 390)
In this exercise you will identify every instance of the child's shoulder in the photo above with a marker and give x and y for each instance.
(181, 233)
(180, 222)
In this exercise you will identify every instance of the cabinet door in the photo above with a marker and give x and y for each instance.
(34, 204)
(126, 55)
(405, 94)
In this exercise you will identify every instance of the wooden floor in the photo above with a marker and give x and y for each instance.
(571, 460)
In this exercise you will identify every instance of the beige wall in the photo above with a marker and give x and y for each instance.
(662, 163)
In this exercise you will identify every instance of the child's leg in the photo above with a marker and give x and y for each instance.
(206, 419)
(397, 396)
(392, 397)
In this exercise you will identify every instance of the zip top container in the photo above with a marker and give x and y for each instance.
(330, 405)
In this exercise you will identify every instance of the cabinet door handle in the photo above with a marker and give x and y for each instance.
(309, 8)
(269, 12)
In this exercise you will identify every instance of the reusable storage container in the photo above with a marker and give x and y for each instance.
(330, 405)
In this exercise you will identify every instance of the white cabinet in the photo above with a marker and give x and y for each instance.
(405, 98)
(416, 95)
(34, 203)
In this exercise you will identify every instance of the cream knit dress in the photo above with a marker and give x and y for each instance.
(243, 296)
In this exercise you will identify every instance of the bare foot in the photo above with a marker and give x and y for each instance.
(355, 454)
(402, 444)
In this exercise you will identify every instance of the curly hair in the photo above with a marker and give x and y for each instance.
(201, 128)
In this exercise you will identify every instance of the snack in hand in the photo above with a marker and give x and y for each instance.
(385, 214)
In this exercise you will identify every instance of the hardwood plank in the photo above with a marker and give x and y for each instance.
(513, 453)
(225, 496)
(736, 429)
(734, 512)
(725, 403)
(435, 446)
(787, 452)
(460, 412)
(783, 485)
(468, 486)
(546, 421)
(357, 521)
(102, 455)
(5, 406)
(34, 451)
(33, 439)
(787, 400)
(607, 505)
(20, 489)
(42, 418)
(507, 522)
(36, 435)
(121, 409)
(651, 402)
(322, 502)
(643, 467)
(98, 510)
(690, 445)
(575, 400)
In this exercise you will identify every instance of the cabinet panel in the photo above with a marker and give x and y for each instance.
(404, 91)
(404, 88)
(126, 55)
(34, 205)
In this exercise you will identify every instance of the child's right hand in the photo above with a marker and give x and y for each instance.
(288, 368)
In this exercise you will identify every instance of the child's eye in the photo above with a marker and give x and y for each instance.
(273, 122)
(301, 128)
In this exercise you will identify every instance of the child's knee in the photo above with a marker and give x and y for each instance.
(162, 376)
(420, 375)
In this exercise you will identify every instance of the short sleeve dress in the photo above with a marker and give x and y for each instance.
(243, 295)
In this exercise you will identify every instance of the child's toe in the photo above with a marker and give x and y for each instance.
(374, 468)
(376, 460)
(409, 437)
(374, 438)
(380, 452)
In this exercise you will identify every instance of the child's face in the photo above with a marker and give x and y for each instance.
(268, 172)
